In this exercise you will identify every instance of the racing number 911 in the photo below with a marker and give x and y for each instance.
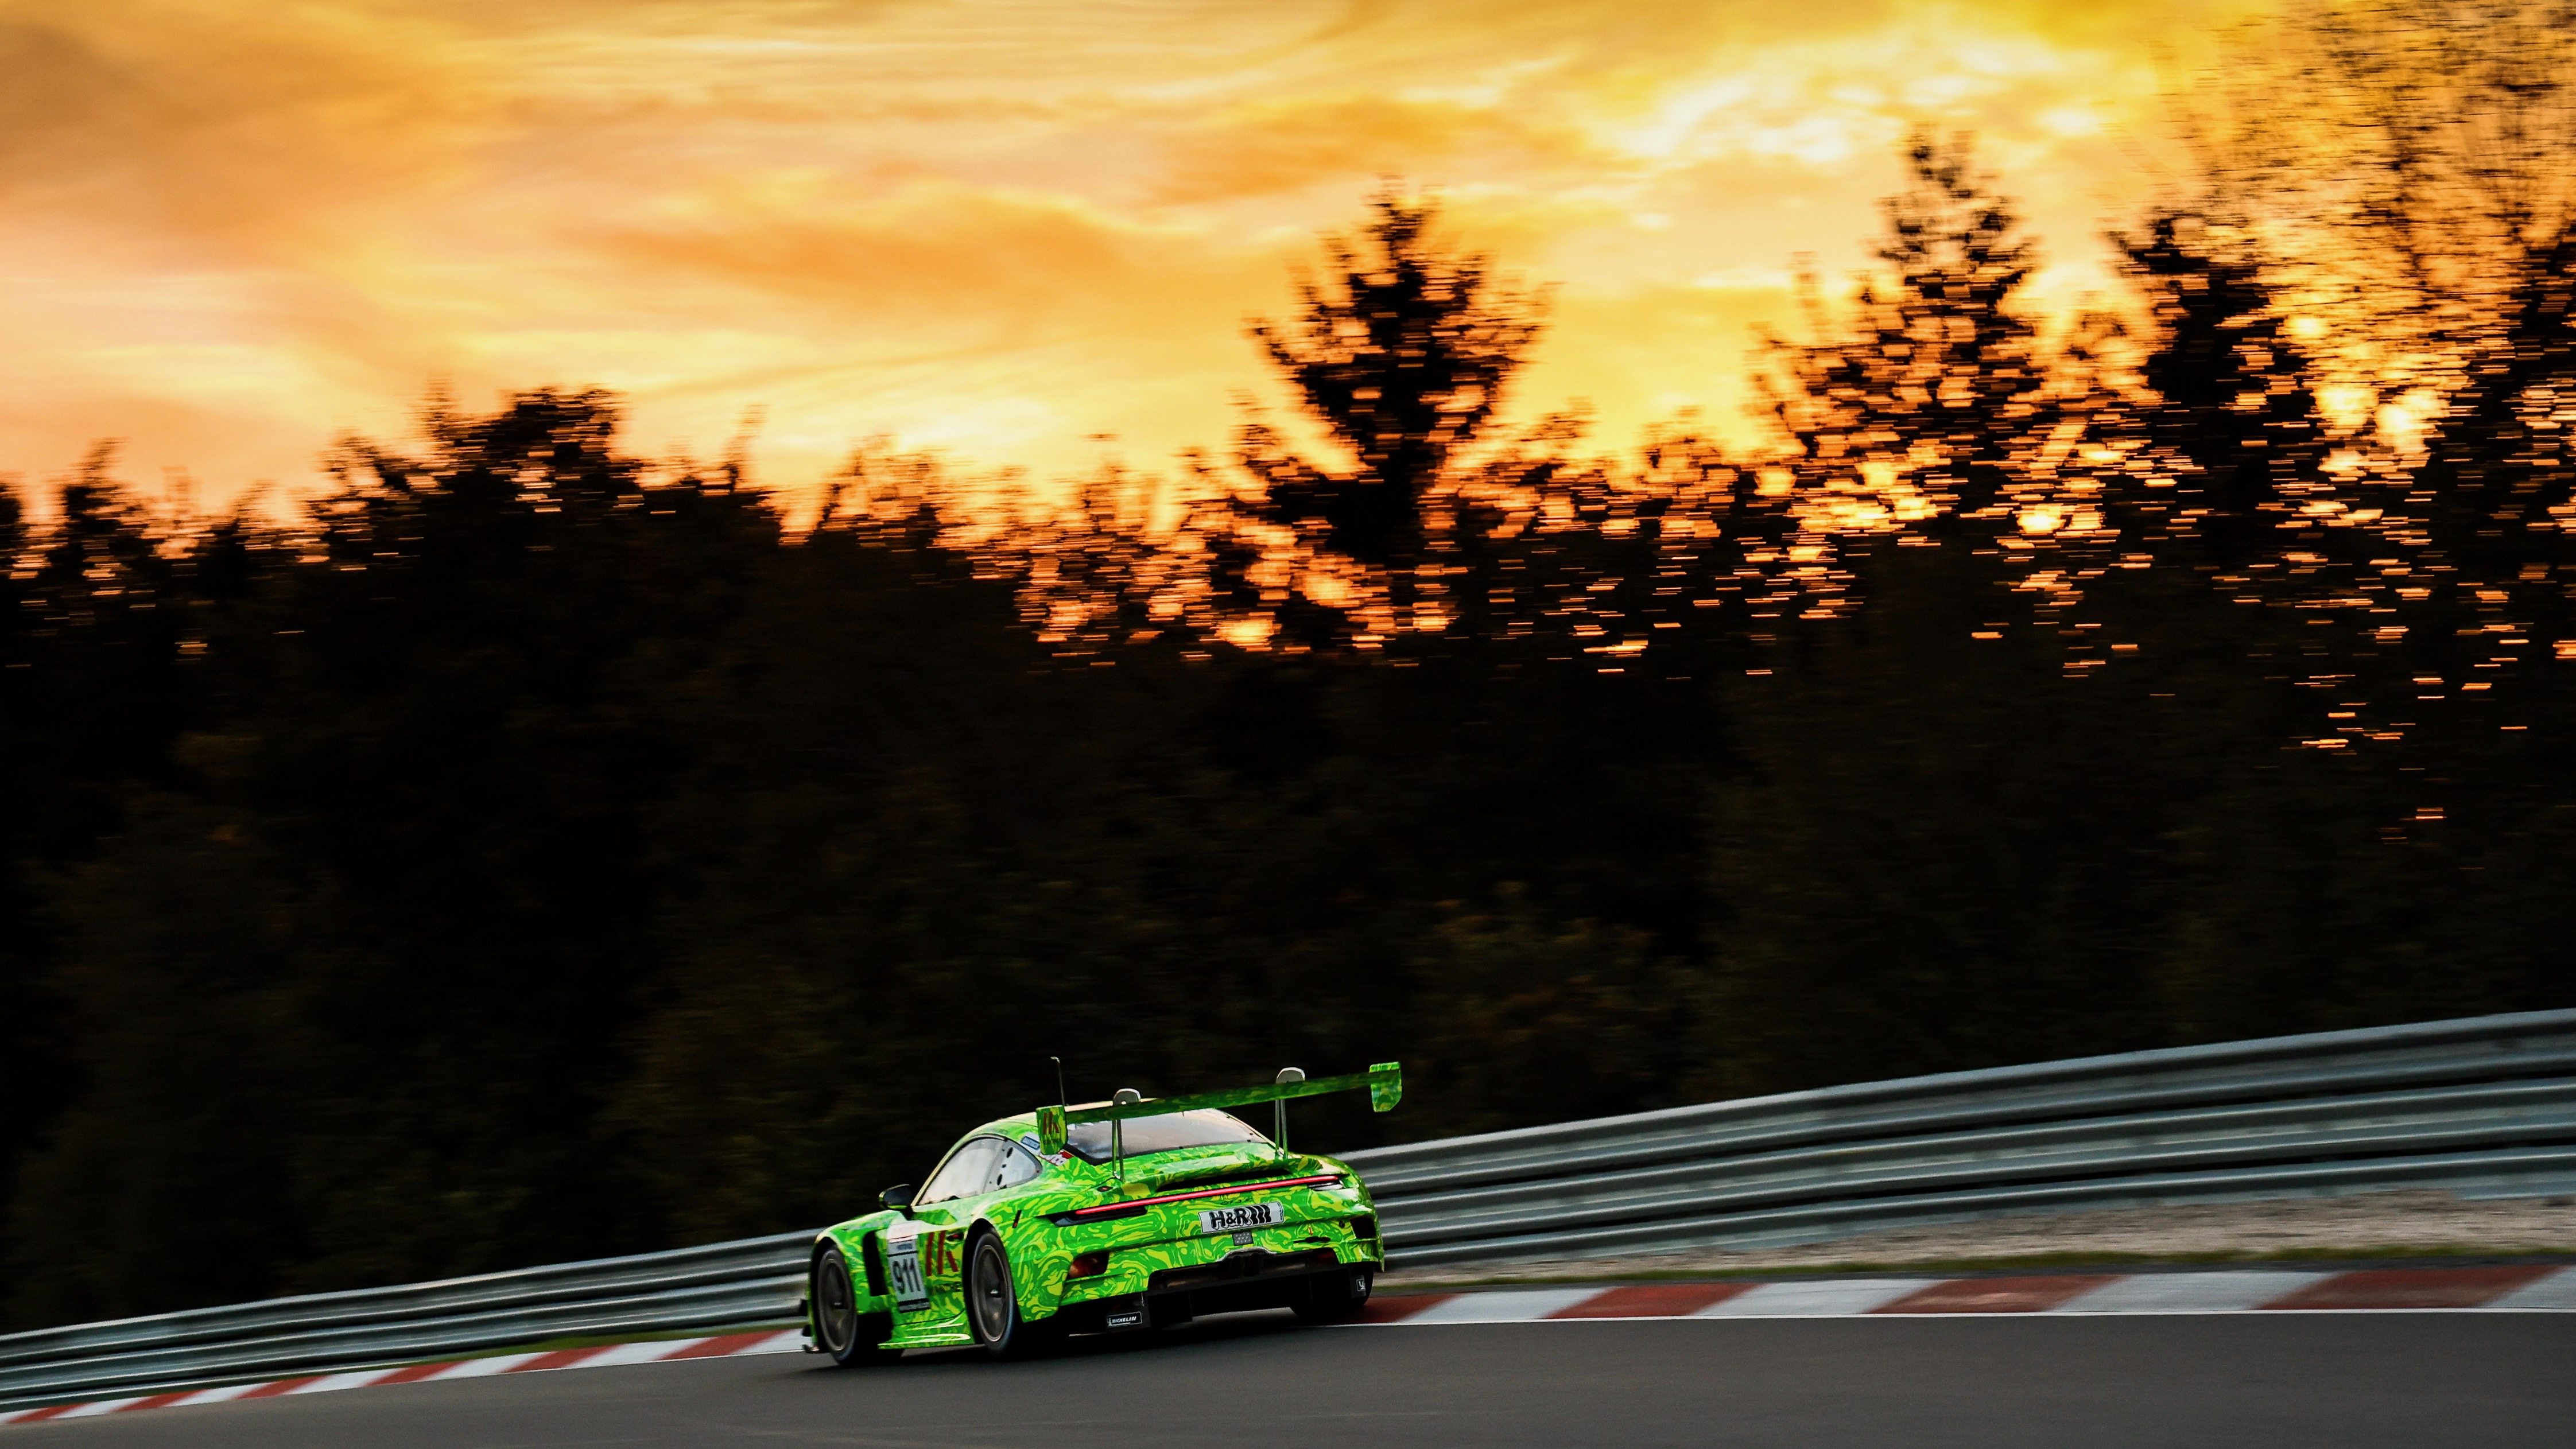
(1114, 1216)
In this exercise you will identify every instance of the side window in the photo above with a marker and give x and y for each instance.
(1016, 1167)
(966, 1172)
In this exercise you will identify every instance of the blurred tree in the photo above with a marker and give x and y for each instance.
(1941, 378)
(31, 1065)
(1527, 1018)
(2400, 170)
(1401, 353)
(1943, 850)
(2236, 433)
(89, 702)
(438, 735)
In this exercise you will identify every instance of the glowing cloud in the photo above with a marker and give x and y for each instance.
(1003, 227)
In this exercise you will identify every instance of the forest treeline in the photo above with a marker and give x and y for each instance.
(537, 850)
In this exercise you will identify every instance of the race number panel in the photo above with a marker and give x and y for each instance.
(903, 1273)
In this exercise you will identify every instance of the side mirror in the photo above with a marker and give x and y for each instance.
(897, 1197)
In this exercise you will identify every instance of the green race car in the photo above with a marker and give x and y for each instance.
(1114, 1216)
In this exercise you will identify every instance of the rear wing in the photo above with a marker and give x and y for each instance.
(1384, 1081)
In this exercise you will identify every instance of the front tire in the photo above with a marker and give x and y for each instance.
(852, 1338)
(993, 1304)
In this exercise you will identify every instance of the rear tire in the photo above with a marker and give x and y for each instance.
(1335, 1297)
(993, 1304)
(852, 1338)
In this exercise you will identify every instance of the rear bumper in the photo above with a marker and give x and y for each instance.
(1240, 1283)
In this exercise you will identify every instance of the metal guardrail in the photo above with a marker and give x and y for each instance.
(722, 1285)
(2484, 1107)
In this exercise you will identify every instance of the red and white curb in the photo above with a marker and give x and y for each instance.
(729, 1345)
(2543, 1289)
(2508, 1289)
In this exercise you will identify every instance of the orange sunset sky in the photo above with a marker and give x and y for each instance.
(999, 228)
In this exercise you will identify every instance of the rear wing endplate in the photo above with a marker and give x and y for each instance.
(1385, 1084)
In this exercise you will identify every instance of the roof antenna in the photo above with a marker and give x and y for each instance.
(1125, 1097)
(1061, 1099)
(1279, 1131)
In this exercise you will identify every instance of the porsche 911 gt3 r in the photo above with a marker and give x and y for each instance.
(1108, 1217)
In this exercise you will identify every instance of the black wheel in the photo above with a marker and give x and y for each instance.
(852, 1338)
(1335, 1297)
(993, 1304)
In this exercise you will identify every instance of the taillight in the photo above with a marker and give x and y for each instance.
(1089, 1265)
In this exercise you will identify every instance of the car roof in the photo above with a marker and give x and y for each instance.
(1024, 1124)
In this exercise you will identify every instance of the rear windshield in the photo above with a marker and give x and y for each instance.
(1161, 1134)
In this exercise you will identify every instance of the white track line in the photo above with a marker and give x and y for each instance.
(104, 1406)
(1834, 1298)
(786, 1340)
(217, 1396)
(2557, 1291)
(475, 1368)
(635, 1353)
(332, 1383)
(2232, 1292)
(1524, 1305)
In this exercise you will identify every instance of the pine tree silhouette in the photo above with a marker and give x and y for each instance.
(1402, 351)
(2237, 419)
(1942, 364)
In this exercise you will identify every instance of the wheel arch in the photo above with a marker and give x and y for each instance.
(1035, 1278)
(853, 1241)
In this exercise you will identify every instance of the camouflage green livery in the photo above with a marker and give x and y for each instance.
(1122, 1215)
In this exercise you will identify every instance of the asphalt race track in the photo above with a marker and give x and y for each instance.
(1255, 1381)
